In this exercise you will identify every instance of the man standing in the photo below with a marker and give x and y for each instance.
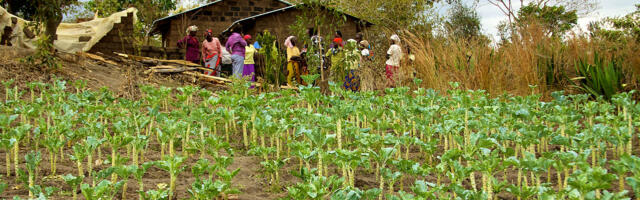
(236, 45)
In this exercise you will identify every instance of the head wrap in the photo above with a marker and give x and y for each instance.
(395, 38)
(247, 37)
(192, 28)
(352, 42)
(338, 40)
(288, 43)
(364, 43)
(209, 31)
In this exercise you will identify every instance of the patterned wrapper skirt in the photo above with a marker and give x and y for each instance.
(212, 62)
(352, 81)
(390, 71)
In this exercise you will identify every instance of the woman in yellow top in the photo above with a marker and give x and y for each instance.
(293, 53)
(249, 63)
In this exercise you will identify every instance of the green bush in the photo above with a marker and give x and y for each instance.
(603, 78)
(45, 56)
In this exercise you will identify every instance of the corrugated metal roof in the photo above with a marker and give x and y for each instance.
(193, 9)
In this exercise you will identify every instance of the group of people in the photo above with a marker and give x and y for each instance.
(352, 53)
(210, 52)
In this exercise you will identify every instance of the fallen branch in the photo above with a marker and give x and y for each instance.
(215, 78)
(169, 69)
(96, 57)
(225, 80)
(154, 61)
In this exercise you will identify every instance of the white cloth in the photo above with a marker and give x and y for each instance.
(365, 52)
(68, 33)
(192, 28)
(226, 57)
(395, 37)
(395, 55)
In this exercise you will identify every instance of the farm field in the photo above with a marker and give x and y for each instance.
(62, 141)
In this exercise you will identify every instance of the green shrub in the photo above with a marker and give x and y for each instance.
(45, 56)
(603, 78)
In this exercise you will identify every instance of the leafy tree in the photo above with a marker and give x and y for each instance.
(556, 20)
(148, 11)
(24, 9)
(508, 7)
(623, 28)
(47, 12)
(105, 7)
(394, 14)
(463, 20)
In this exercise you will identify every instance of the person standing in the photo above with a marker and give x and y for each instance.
(338, 36)
(191, 44)
(365, 49)
(394, 55)
(352, 58)
(236, 45)
(335, 53)
(249, 63)
(359, 37)
(293, 53)
(211, 51)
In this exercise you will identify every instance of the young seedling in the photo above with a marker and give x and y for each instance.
(138, 174)
(173, 165)
(73, 182)
(33, 160)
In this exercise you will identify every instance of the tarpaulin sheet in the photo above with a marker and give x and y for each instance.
(68, 33)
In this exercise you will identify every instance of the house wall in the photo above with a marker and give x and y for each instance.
(217, 17)
(116, 40)
(278, 24)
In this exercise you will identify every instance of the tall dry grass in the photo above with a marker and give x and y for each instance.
(530, 58)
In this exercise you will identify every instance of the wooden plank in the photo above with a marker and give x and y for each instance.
(219, 79)
(169, 69)
(96, 57)
(224, 80)
(151, 60)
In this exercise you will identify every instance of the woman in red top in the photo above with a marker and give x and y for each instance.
(211, 50)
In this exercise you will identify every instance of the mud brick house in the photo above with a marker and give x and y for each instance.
(278, 22)
(118, 39)
(216, 15)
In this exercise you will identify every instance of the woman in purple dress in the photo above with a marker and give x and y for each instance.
(190, 42)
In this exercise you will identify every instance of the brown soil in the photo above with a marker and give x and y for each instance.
(249, 180)
(123, 80)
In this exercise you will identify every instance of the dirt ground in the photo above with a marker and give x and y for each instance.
(123, 80)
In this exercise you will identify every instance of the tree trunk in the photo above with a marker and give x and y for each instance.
(51, 26)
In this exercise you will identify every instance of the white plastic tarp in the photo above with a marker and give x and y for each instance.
(68, 33)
